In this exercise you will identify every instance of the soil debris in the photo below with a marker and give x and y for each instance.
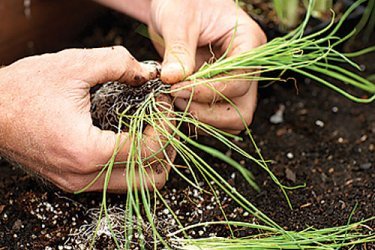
(115, 98)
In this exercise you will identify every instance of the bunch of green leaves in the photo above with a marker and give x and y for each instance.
(346, 236)
(305, 55)
(140, 201)
(287, 13)
(366, 25)
(320, 8)
(313, 56)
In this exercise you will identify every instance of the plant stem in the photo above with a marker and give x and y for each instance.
(287, 12)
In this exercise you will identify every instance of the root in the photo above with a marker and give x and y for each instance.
(114, 98)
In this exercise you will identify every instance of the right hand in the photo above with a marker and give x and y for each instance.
(196, 32)
(45, 121)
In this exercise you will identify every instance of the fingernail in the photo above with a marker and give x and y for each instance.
(173, 72)
(153, 68)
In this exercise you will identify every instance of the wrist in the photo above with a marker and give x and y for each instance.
(139, 9)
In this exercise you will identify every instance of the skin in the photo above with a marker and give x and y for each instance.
(211, 24)
(45, 123)
(189, 33)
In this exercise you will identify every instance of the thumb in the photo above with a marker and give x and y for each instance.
(102, 65)
(180, 50)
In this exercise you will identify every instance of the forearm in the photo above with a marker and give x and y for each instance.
(138, 9)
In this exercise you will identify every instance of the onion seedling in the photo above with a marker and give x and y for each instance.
(321, 8)
(287, 12)
(313, 56)
(346, 236)
(310, 56)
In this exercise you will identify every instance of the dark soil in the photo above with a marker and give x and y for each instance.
(324, 141)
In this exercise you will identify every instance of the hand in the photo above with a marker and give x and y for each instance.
(191, 31)
(45, 121)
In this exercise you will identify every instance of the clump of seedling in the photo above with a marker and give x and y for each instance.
(115, 98)
(347, 237)
(114, 225)
(311, 56)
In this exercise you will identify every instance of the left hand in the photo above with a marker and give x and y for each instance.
(46, 125)
(192, 31)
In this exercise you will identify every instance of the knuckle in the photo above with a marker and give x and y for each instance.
(248, 119)
(84, 168)
(243, 87)
(113, 72)
(240, 121)
(262, 37)
(221, 86)
(160, 184)
(235, 132)
(179, 46)
(127, 67)
(74, 60)
(152, 151)
(86, 164)
(122, 52)
(76, 55)
(215, 91)
(161, 175)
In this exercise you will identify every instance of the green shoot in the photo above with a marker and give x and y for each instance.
(322, 239)
(321, 8)
(309, 56)
(366, 23)
(287, 12)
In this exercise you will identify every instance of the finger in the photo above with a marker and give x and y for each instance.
(156, 40)
(242, 41)
(91, 148)
(150, 176)
(206, 54)
(199, 131)
(224, 115)
(203, 54)
(150, 145)
(180, 47)
(155, 139)
(101, 65)
(211, 92)
(73, 179)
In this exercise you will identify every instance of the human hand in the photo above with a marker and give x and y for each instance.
(194, 30)
(45, 121)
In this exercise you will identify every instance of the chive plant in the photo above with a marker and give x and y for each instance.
(346, 236)
(311, 56)
(366, 24)
(321, 8)
(287, 13)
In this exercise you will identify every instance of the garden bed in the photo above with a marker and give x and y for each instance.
(324, 140)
